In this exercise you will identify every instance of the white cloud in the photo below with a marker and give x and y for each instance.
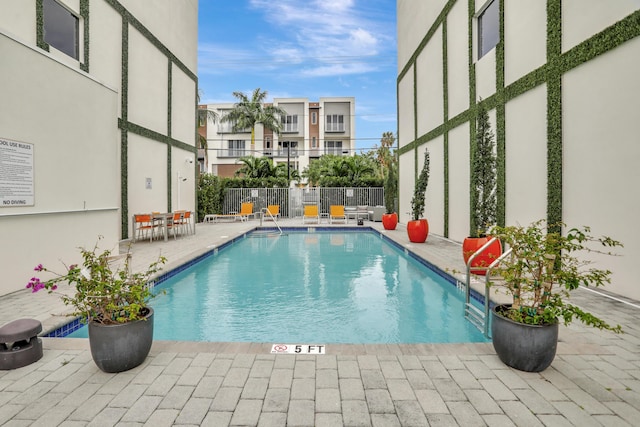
(331, 37)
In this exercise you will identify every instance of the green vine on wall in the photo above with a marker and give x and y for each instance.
(445, 115)
(126, 126)
(84, 12)
(554, 115)
(40, 26)
(558, 63)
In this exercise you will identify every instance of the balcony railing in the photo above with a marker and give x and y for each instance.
(282, 152)
(233, 153)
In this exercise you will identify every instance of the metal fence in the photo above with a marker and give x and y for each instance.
(293, 200)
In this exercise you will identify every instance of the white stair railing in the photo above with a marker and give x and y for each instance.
(480, 318)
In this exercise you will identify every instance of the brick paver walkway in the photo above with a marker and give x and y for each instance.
(594, 380)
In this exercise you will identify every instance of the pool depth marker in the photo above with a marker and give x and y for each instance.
(298, 349)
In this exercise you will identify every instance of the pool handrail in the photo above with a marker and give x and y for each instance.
(264, 211)
(481, 319)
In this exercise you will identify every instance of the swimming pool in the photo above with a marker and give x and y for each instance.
(322, 287)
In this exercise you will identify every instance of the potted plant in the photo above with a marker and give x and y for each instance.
(539, 271)
(390, 218)
(114, 304)
(483, 197)
(418, 228)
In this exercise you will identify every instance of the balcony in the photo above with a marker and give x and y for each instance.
(232, 153)
(283, 152)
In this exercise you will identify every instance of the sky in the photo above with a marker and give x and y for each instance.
(303, 49)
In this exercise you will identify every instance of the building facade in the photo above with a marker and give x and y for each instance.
(559, 78)
(97, 123)
(309, 130)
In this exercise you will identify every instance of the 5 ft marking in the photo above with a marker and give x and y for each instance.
(298, 349)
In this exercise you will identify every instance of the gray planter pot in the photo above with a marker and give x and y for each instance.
(118, 348)
(529, 348)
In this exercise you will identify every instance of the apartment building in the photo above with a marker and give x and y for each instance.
(97, 122)
(559, 79)
(309, 130)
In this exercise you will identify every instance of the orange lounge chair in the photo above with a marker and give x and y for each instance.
(273, 212)
(246, 210)
(336, 213)
(311, 213)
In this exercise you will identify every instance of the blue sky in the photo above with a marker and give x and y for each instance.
(303, 48)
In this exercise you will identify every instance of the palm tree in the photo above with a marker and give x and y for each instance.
(246, 113)
(261, 167)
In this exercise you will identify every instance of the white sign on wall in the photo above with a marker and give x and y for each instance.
(16, 173)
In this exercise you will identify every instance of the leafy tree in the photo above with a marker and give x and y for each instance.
(384, 154)
(261, 167)
(352, 168)
(417, 202)
(483, 176)
(248, 112)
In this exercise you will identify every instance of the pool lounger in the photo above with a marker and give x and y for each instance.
(217, 217)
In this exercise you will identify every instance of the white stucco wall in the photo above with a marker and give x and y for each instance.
(418, 15)
(174, 23)
(184, 177)
(458, 60)
(18, 18)
(148, 74)
(583, 18)
(525, 46)
(459, 182)
(526, 157)
(601, 153)
(406, 121)
(75, 159)
(429, 85)
(183, 107)
(434, 196)
(106, 45)
(406, 176)
(599, 123)
(486, 75)
(154, 166)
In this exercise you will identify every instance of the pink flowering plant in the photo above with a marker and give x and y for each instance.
(103, 293)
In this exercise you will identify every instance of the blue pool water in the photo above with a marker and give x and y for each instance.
(323, 287)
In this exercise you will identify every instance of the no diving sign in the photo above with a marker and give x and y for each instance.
(298, 349)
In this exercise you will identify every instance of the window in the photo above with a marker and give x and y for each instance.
(488, 28)
(333, 147)
(267, 146)
(314, 142)
(314, 118)
(236, 148)
(61, 28)
(225, 126)
(290, 123)
(335, 123)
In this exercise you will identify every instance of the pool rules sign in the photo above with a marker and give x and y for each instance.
(16, 173)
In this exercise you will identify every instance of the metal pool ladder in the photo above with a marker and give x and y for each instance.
(480, 318)
(265, 211)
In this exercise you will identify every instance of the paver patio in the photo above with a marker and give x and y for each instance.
(594, 380)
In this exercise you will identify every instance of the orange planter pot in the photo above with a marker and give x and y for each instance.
(490, 254)
(418, 230)
(390, 221)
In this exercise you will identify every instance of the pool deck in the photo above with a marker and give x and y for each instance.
(594, 379)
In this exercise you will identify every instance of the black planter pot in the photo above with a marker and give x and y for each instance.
(529, 348)
(120, 347)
